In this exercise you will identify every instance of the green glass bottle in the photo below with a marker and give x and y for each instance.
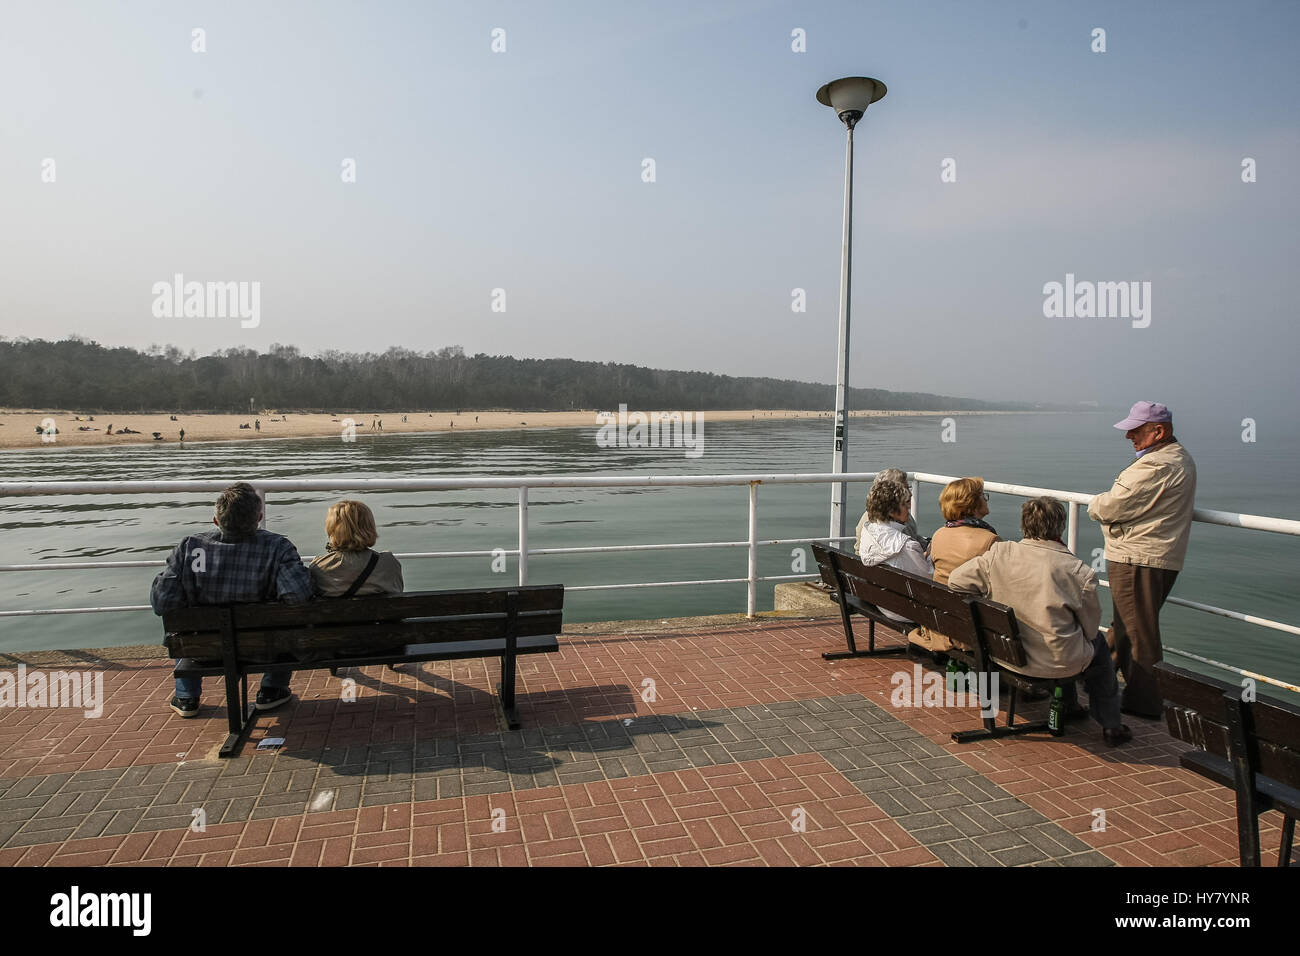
(1056, 715)
(953, 676)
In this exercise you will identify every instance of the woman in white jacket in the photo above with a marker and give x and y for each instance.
(884, 539)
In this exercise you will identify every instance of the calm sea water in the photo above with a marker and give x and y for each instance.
(1245, 570)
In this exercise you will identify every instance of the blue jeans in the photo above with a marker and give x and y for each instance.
(193, 686)
(1103, 689)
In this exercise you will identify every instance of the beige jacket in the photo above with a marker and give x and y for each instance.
(949, 549)
(1147, 516)
(333, 572)
(1054, 595)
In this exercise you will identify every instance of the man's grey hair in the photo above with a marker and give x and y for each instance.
(1042, 519)
(239, 510)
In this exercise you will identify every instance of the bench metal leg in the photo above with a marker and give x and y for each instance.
(511, 713)
(871, 651)
(506, 691)
(240, 714)
(1288, 837)
(966, 736)
(991, 729)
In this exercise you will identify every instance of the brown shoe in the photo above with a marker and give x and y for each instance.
(1117, 735)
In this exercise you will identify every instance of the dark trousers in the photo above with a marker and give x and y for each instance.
(193, 686)
(1138, 592)
(1103, 689)
(1099, 680)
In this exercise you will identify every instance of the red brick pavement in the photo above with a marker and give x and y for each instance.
(777, 812)
(1155, 812)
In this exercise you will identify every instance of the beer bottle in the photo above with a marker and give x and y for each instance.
(1056, 715)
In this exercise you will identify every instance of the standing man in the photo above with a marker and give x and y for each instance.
(1147, 519)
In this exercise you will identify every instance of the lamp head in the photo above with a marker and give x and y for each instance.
(850, 97)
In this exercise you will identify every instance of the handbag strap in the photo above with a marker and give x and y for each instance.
(361, 578)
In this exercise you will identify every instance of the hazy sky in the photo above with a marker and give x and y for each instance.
(522, 170)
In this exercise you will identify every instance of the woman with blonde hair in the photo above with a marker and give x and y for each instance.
(350, 566)
(965, 535)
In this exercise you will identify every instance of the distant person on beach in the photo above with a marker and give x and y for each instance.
(182, 434)
(350, 565)
(1055, 598)
(1146, 519)
(258, 424)
(110, 428)
(965, 535)
(240, 563)
(909, 526)
(884, 540)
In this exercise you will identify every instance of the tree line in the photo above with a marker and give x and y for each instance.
(82, 375)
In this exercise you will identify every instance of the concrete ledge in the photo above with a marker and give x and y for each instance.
(807, 598)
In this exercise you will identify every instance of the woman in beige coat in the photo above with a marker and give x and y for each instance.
(965, 535)
(349, 566)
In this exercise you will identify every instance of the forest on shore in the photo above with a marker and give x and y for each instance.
(79, 374)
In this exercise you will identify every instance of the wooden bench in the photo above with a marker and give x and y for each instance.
(1253, 747)
(984, 634)
(238, 639)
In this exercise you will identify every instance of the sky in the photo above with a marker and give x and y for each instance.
(523, 169)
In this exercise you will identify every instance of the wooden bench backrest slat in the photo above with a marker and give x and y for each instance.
(929, 603)
(916, 598)
(338, 612)
(1196, 712)
(1001, 633)
(330, 626)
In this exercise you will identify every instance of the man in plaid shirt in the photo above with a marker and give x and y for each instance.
(238, 563)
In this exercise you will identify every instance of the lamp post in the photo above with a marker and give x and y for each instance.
(849, 97)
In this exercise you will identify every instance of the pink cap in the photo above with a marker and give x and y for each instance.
(1144, 412)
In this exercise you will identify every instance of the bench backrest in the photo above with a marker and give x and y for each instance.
(964, 619)
(1199, 711)
(329, 625)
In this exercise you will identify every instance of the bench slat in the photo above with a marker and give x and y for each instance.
(1196, 712)
(411, 653)
(1216, 768)
(536, 597)
(361, 638)
(929, 603)
(1001, 633)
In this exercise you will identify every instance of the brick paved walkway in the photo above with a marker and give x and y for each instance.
(750, 750)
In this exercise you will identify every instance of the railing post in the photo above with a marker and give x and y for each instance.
(916, 493)
(752, 586)
(523, 534)
(1072, 532)
(262, 494)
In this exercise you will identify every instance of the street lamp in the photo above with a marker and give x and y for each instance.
(849, 97)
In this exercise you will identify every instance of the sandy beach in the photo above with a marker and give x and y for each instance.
(18, 428)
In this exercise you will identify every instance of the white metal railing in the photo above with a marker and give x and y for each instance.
(521, 485)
